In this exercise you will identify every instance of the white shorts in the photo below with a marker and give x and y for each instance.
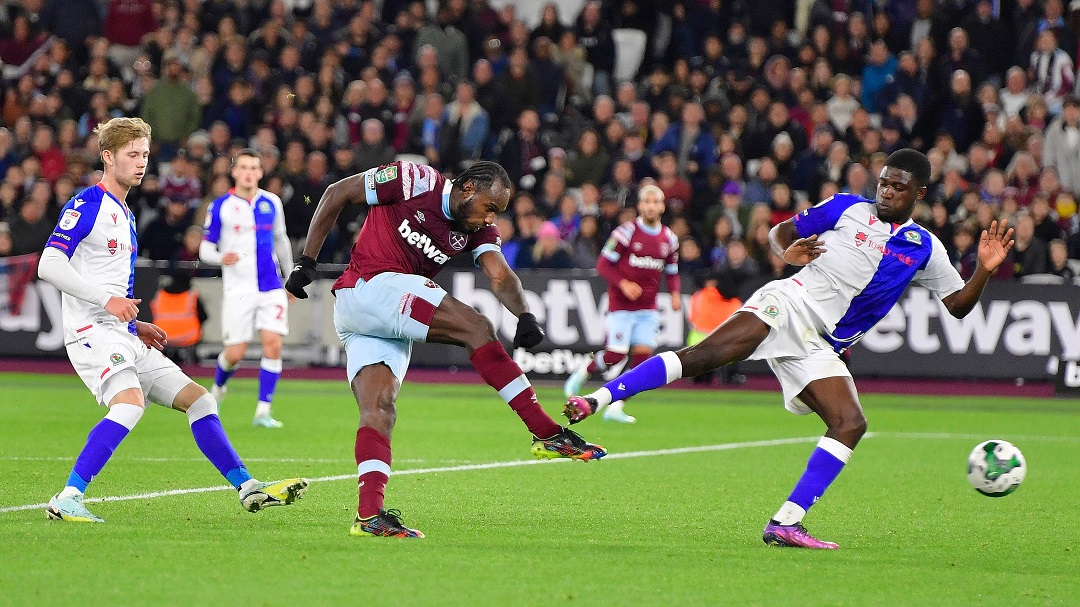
(627, 328)
(111, 360)
(795, 350)
(378, 319)
(244, 313)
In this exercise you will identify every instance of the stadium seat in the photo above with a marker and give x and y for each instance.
(1042, 279)
(630, 47)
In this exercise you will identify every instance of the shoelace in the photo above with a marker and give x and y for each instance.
(394, 516)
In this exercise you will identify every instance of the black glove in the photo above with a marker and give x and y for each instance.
(529, 334)
(301, 276)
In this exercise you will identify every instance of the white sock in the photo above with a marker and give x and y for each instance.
(789, 514)
(603, 398)
(262, 409)
(616, 406)
(224, 363)
(247, 485)
(69, 491)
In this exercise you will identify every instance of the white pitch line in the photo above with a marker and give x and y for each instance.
(263, 460)
(462, 468)
(518, 463)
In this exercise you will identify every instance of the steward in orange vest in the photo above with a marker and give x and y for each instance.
(178, 311)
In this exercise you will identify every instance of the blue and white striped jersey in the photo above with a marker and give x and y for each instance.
(97, 233)
(867, 265)
(248, 228)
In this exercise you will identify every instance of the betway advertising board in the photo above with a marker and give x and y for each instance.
(1016, 331)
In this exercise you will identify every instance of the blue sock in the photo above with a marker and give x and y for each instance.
(102, 441)
(269, 372)
(657, 371)
(223, 371)
(824, 465)
(211, 439)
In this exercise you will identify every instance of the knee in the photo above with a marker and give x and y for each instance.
(852, 426)
(479, 331)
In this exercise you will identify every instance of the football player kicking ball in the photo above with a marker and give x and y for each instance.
(245, 235)
(90, 258)
(859, 257)
(386, 300)
(636, 255)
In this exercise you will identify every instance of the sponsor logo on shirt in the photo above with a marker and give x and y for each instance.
(647, 263)
(861, 238)
(422, 242)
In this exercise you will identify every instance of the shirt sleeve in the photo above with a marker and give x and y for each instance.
(823, 217)
(617, 243)
(672, 262)
(76, 220)
(487, 239)
(938, 274)
(212, 223)
(397, 181)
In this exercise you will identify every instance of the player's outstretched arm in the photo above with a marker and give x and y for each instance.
(507, 288)
(994, 247)
(340, 193)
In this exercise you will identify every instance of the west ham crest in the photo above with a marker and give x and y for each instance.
(458, 240)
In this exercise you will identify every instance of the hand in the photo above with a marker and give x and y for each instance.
(229, 259)
(529, 334)
(804, 250)
(630, 289)
(151, 335)
(994, 245)
(302, 275)
(123, 308)
(676, 301)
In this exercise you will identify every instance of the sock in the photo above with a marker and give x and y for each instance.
(372, 469)
(822, 468)
(224, 370)
(269, 372)
(636, 359)
(211, 439)
(502, 373)
(102, 441)
(605, 359)
(616, 405)
(655, 372)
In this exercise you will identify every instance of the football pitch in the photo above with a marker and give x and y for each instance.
(672, 517)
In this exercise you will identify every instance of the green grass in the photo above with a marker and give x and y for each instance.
(680, 529)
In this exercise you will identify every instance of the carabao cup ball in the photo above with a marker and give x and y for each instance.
(996, 468)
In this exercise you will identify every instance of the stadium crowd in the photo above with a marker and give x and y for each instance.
(743, 113)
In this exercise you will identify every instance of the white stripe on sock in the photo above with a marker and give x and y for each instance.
(672, 365)
(373, 465)
(125, 414)
(512, 389)
(835, 448)
(224, 364)
(272, 365)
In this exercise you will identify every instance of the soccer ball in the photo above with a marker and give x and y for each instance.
(996, 468)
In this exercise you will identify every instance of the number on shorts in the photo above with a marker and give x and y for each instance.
(280, 312)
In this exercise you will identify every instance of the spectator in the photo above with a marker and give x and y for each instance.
(594, 35)
(1029, 255)
(171, 109)
(31, 227)
(881, 66)
(6, 245)
(1016, 92)
(588, 163)
(959, 114)
(568, 219)
(1059, 261)
(450, 44)
(1061, 148)
(465, 118)
(1051, 70)
(586, 244)
(549, 252)
(692, 145)
(163, 238)
(524, 156)
(510, 244)
(373, 150)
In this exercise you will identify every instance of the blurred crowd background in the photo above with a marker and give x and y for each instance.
(742, 112)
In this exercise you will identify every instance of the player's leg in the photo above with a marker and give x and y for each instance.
(272, 322)
(172, 388)
(734, 340)
(269, 372)
(836, 401)
(454, 322)
(375, 387)
(237, 322)
(126, 405)
(614, 412)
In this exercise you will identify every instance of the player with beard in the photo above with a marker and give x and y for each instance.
(385, 300)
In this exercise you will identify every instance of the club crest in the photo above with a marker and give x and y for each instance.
(458, 240)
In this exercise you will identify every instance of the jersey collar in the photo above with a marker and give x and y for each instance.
(447, 186)
(647, 229)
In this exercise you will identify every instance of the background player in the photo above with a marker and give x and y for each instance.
(860, 256)
(90, 258)
(386, 300)
(636, 255)
(245, 235)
